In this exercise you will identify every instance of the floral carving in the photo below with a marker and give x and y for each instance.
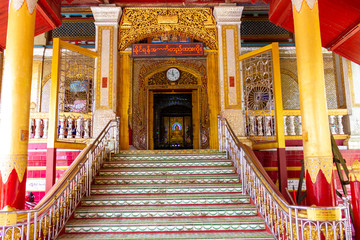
(139, 23)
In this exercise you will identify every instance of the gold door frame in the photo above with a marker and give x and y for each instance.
(195, 116)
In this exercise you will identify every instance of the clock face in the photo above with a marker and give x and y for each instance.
(173, 74)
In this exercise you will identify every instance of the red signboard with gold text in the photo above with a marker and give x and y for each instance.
(167, 50)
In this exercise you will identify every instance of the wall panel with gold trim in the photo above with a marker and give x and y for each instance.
(104, 70)
(231, 67)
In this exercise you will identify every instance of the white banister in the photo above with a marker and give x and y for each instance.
(300, 125)
(285, 125)
(46, 128)
(292, 125)
(259, 126)
(252, 126)
(332, 124)
(70, 127)
(340, 124)
(50, 215)
(79, 127)
(268, 126)
(285, 221)
(86, 128)
(37, 128)
(62, 128)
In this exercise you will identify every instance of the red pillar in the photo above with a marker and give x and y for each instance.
(15, 105)
(318, 158)
(282, 166)
(50, 168)
(355, 196)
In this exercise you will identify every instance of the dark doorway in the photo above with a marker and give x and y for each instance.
(173, 121)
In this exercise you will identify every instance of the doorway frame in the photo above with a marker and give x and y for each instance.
(195, 114)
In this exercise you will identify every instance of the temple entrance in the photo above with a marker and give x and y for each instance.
(173, 121)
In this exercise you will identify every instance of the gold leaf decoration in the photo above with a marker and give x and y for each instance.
(10, 162)
(314, 164)
(160, 79)
(139, 23)
(355, 172)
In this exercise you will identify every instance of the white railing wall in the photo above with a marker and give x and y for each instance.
(70, 126)
(285, 221)
(293, 126)
(48, 218)
(261, 126)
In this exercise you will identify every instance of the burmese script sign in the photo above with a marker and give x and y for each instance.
(324, 214)
(167, 50)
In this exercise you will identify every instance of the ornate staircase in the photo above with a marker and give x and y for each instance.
(184, 194)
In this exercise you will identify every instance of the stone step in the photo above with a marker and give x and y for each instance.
(164, 211)
(166, 171)
(254, 235)
(165, 199)
(161, 189)
(167, 179)
(166, 163)
(167, 155)
(184, 157)
(133, 225)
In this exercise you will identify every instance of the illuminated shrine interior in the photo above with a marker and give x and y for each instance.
(180, 119)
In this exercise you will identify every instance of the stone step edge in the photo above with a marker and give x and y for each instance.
(138, 208)
(162, 236)
(172, 176)
(170, 152)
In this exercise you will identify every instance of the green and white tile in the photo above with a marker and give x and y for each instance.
(104, 225)
(258, 235)
(164, 211)
(158, 188)
(166, 199)
(168, 179)
(167, 163)
(166, 171)
(168, 156)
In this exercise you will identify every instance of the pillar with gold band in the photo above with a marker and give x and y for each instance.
(15, 105)
(316, 134)
(125, 76)
(212, 72)
(354, 177)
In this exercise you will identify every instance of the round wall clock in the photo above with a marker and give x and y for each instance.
(173, 74)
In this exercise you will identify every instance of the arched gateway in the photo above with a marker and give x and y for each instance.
(160, 52)
(157, 99)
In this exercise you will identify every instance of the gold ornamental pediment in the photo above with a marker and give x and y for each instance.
(168, 19)
(139, 23)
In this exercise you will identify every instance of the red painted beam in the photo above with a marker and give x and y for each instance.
(48, 17)
(339, 21)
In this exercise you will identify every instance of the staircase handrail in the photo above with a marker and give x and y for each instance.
(285, 221)
(49, 216)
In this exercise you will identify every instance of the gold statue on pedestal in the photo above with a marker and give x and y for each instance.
(176, 136)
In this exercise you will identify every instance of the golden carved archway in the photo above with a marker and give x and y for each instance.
(150, 77)
(139, 23)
